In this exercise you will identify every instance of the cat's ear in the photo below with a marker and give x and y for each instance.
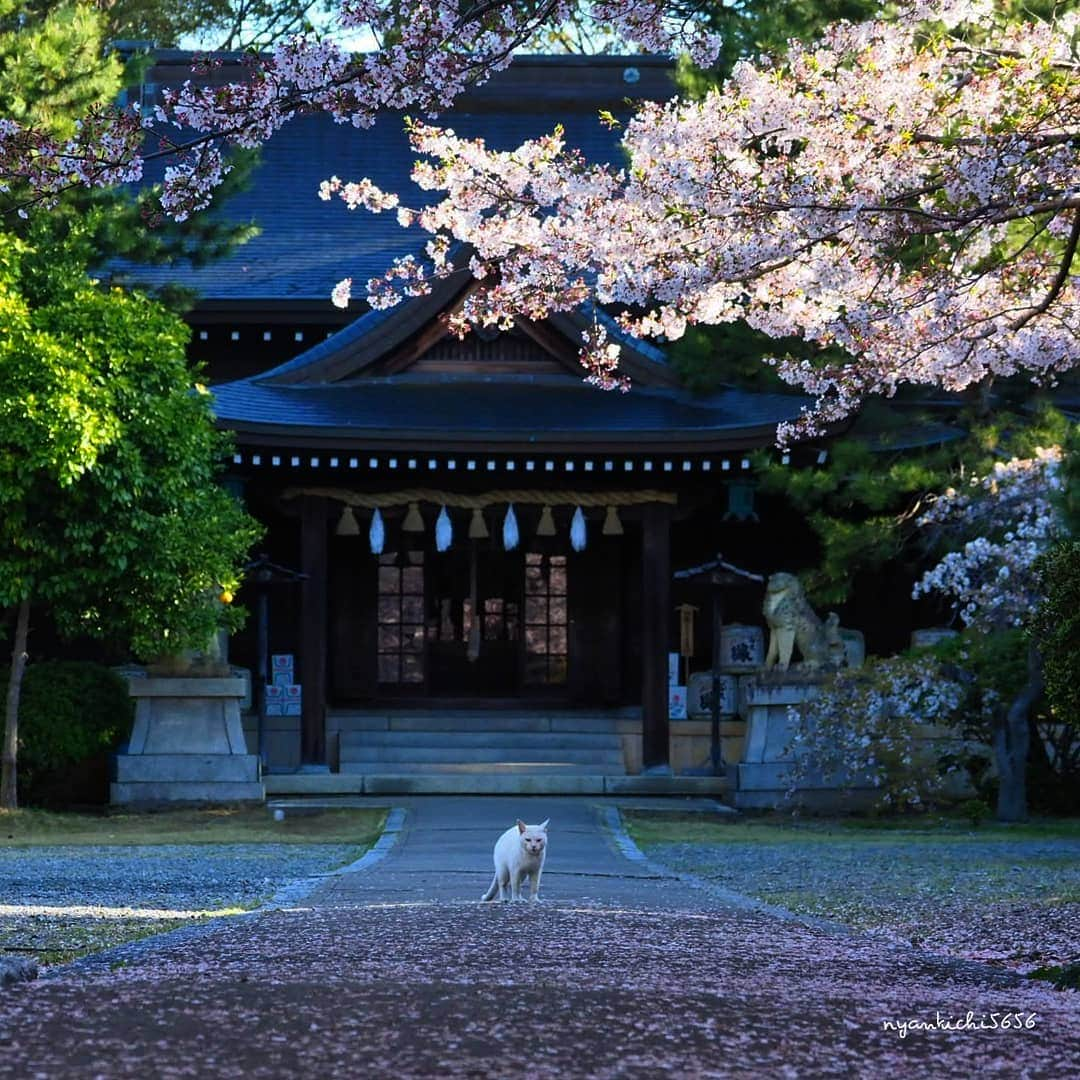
(521, 825)
(544, 824)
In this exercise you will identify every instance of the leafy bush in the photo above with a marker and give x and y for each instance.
(72, 713)
(1056, 629)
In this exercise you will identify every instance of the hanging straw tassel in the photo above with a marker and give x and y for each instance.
(444, 531)
(510, 529)
(347, 525)
(612, 524)
(478, 529)
(577, 531)
(377, 533)
(413, 521)
(547, 523)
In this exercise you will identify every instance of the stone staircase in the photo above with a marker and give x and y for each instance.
(482, 752)
(475, 752)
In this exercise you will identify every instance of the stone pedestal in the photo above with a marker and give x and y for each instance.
(187, 745)
(763, 776)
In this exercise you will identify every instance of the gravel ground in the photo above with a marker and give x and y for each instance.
(60, 902)
(1011, 903)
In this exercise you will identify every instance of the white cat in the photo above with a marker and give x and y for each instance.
(519, 854)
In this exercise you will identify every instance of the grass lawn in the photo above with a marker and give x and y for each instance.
(77, 883)
(695, 828)
(228, 825)
(1002, 894)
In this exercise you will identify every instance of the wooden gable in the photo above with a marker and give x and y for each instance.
(414, 337)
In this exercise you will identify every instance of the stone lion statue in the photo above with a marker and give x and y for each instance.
(792, 622)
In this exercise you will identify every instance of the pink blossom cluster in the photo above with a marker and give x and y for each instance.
(871, 727)
(794, 197)
(1014, 520)
(429, 51)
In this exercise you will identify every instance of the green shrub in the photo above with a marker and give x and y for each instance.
(72, 714)
(1056, 629)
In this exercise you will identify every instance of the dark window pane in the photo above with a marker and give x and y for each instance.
(557, 670)
(389, 668)
(416, 558)
(534, 580)
(388, 558)
(412, 580)
(412, 669)
(557, 575)
(389, 610)
(389, 580)
(536, 609)
(558, 610)
(557, 639)
(536, 639)
(412, 609)
(389, 638)
(412, 639)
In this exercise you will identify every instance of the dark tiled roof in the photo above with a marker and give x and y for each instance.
(307, 246)
(405, 408)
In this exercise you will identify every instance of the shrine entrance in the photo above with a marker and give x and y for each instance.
(473, 622)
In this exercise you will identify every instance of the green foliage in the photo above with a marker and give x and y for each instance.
(993, 666)
(71, 712)
(976, 811)
(55, 66)
(53, 73)
(224, 24)
(865, 501)
(110, 510)
(1055, 628)
(749, 29)
(1069, 499)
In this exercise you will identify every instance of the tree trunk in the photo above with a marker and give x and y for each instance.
(9, 799)
(1012, 737)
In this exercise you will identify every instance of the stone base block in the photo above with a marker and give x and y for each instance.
(187, 768)
(158, 792)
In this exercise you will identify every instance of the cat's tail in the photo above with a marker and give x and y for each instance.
(491, 893)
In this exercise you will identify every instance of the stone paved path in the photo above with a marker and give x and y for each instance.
(397, 971)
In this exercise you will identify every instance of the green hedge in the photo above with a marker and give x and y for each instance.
(72, 715)
(1056, 629)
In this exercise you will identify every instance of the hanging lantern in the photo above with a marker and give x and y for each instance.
(740, 505)
(413, 521)
(547, 523)
(377, 533)
(347, 525)
(577, 530)
(510, 529)
(612, 524)
(444, 531)
(477, 526)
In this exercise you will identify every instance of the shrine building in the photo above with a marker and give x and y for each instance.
(487, 544)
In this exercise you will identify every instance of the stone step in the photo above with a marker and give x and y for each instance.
(491, 768)
(479, 722)
(604, 760)
(379, 784)
(353, 741)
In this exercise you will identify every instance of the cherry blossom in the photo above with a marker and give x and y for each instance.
(429, 51)
(892, 189)
(1012, 519)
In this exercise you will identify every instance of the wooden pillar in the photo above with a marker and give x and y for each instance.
(312, 635)
(655, 616)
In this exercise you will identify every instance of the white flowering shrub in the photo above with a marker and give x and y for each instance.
(915, 727)
(1011, 519)
(872, 727)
